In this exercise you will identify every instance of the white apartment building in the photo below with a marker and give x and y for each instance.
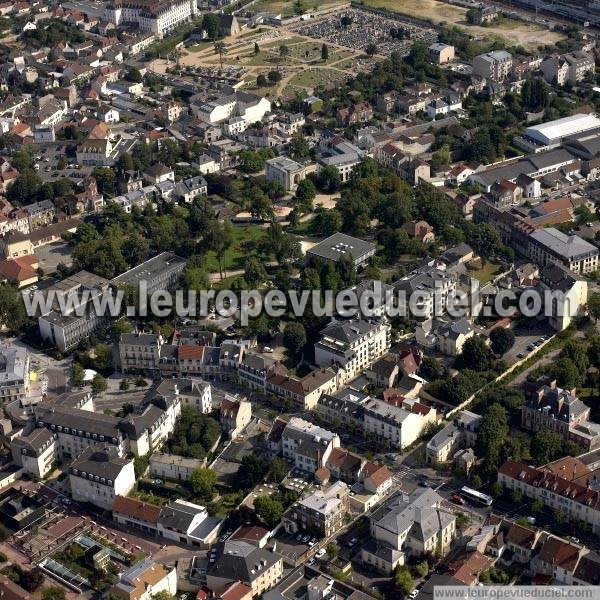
(154, 17)
(551, 246)
(99, 474)
(65, 329)
(250, 107)
(408, 526)
(14, 373)
(308, 445)
(567, 68)
(399, 425)
(35, 452)
(192, 391)
(352, 345)
(495, 65)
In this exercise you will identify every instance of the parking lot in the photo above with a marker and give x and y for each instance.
(526, 340)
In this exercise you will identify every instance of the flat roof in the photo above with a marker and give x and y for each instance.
(338, 244)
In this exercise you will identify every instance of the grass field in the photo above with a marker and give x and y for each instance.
(487, 272)
(313, 79)
(517, 32)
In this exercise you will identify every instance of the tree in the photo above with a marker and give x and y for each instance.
(491, 436)
(99, 384)
(298, 147)
(274, 76)
(305, 194)
(545, 446)
(462, 521)
(324, 53)
(332, 550)
(284, 52)
(162, 595)
(261, 81)
(251, 472)
(403, 580)
(475, 354)
(77, 374)
(278, 469)
(269, 510)
(294, 337)
(346, 21)
(502, 340)
(422, 568)
(32, 579)
(326, 222)
(537, 506)
(12, 308)
(203, 481)
(593, 306)
(254, 272)
(211, 24)
(134, 75)
(221, 50)
(24, 188)
(53, 593)
(371, 50)
(329, 179)
(256, 48)
(566, 373)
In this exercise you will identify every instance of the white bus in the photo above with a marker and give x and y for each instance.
(476, 496)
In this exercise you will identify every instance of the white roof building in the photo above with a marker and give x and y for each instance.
(553, 132)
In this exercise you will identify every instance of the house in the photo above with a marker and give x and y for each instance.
(144, 580)
(21, 271)
(240, 561)
(189, 189)
(446, 336)
(358, 113)
(441, 53)
(188, 523)
(235, 414)
(459, 434)
(99, 474)
(408, 526)
(158, 173)
(35, 452)
(419, 230)
(172, 466)
(321, 513)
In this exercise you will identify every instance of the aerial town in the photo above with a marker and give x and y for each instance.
(299, 300)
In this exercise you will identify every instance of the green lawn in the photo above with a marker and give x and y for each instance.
(246, 239)
(487, 272)
(200, 46)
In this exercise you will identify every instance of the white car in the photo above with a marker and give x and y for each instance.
(413, 594)
(320, 553)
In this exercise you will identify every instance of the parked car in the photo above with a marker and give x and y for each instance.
(320, 553)
(413, 594)
(457, 499)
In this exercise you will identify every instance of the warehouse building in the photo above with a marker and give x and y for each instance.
(554, 132)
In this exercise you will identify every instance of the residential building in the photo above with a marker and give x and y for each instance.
(307, 445)
(568, 492)
(401, 425)
(285, 171)
(572, 68)
(250, 107)
(158, 273)
(551, 246)
(240, 561)
(568, 293)
(494, 66)
(188, 189)
(446, 336)
(459, 434)
(35, 452)
(188, 523)
(65, 329)
(99, 474)
(548, 406)
(191, 391)
(14, 373)
(144, 580)
(441, 53)
(306, 390)
(408, 526)
(321, 513)
(352, 345)
(235, 415)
